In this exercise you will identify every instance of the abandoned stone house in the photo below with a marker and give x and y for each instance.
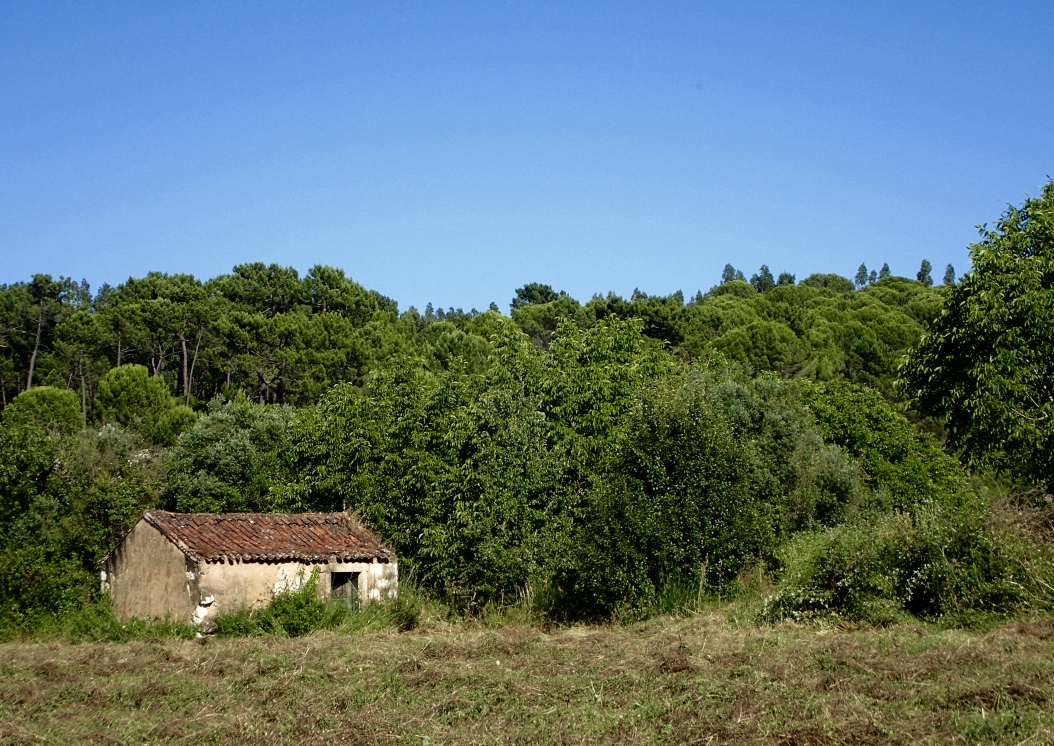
(193, 566)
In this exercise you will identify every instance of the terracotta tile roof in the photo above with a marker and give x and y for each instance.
(263, 537)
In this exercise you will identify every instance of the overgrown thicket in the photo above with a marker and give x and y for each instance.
(586, 461)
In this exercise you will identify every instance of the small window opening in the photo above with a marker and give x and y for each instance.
(344, 585)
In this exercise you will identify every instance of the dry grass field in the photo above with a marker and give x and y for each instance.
(701, 680)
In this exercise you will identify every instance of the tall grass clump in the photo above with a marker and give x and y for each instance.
(401, 613)
(95, 621)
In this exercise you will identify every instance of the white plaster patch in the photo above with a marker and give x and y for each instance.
(375, 594)
(200, 613)
(289, 582)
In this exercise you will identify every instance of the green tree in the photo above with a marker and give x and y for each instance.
(861, 275)
(763, 280)
(229, 459)
(535, 293)
(80, 343)
(46, 407)
(884, 272)
(987, 365)
(923, 275)
(129, 396)
(829, 281)
(949, 275)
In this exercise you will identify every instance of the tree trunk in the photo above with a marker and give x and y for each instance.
(193, 362)
(36, 348)
(157, 359)
(186, 369)
(84, 405)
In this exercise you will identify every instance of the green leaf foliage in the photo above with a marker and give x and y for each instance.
(903, 467)
(229, 459)
(987, 365)
(933, 564)
(129, 396)
(46, 407)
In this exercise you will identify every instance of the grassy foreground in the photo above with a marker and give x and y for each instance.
(701, 679)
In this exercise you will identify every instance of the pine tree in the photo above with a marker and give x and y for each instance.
(949, 275)
(884, 272)
(924, 274)
(763, 281)
(861, 275)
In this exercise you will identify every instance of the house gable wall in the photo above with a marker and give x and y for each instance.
(149, 577)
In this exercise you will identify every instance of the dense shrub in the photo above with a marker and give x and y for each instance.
(902, 467)
(46, 407)
(934, 564)
(292, 613)
(678, 498)
(65, 502)
(129, 396)
(173, 422)
(229, 459)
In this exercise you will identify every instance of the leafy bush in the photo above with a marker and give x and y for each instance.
(229, 459)
(129, 396)
(173, 422)
(49, 408)
(679, 497)
(64, 503)
(935, 564)
(903, 467)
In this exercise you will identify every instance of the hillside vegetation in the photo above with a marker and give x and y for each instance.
(577, 461)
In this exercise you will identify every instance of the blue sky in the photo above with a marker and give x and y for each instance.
(451, 152)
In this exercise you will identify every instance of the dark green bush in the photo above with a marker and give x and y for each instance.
(229, 459)
(903, 467)
(173, 422)
(936, 564)
(46, 407)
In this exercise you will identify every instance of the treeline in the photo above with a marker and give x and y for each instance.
(274, 337)
(591, 460)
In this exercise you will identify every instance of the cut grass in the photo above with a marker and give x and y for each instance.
(695, 679)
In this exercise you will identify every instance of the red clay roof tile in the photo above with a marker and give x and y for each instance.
(311, 537)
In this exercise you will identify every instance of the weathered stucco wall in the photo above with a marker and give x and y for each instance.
(226, 586)
(149, 577)
(229, 586)
(377, 580)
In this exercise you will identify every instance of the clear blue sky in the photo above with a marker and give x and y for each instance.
(451, 152)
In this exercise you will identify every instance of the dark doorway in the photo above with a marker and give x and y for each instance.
(344, 585)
